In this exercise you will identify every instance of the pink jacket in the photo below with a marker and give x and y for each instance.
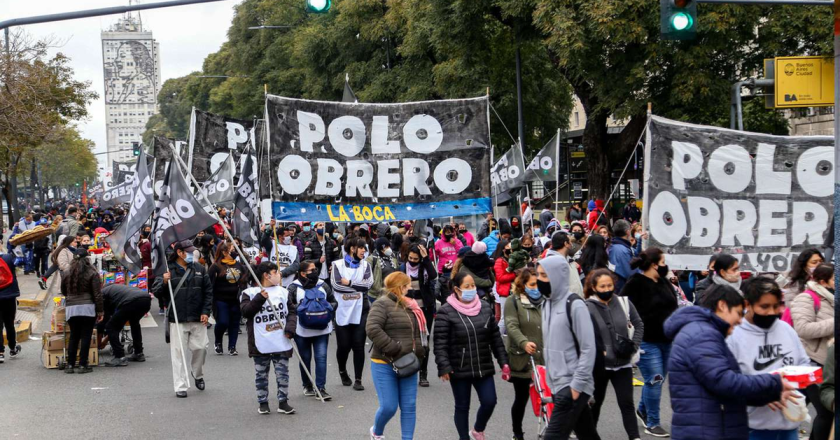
(447, 252)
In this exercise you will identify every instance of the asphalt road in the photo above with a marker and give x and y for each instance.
(138, 401)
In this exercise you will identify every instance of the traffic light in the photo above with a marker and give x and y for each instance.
(318, 6)
(677, 19)
(135, 148)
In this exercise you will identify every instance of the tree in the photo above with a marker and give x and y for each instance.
(38, 98)
(394, 51)
(611, 54)
(66, 160)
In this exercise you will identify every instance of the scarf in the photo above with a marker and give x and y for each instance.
(411, 304)
(720, 281)
(349, 261)
(229, 261)
(469, 309)
(412, 271)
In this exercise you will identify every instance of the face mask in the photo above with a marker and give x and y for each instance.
(189, 259)
(527, 249)
(287, 240)
(764, 321)
(447, 237)
(319, 231)
(468, 295)
(144, 234)
(533, 294)
(413, 263)
(335, 235)
(388, 252)
(638, 236)
(544, 287)
(663, 271)
(605, 296)
(578, 235)
(811, 270)
(463, 231)
(312, 276)
(507, 252)
(307, 228)
(276, 279)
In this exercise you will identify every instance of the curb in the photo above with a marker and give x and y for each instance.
(22, 332)
(36, 304)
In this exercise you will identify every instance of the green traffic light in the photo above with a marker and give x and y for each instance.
(681, 21)
(318, 6)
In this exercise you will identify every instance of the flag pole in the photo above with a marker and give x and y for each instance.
(528, 193)
(254, 275)
(557, 176)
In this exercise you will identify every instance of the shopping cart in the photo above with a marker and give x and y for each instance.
(540, 397)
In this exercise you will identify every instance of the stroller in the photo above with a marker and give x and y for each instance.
(540, 397)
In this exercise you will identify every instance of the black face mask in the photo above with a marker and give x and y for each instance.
(506, 252)
(527, 249)
(605, 296)
(544, 287)
(463, 231)
(413, 263)
(663, 271)
(447, 237)
(310, 280)
(145, 234)
(578, 235)
(764, 321)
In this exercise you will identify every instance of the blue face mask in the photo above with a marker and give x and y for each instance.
(468, 295)
(533, 293)
(306, 228)
(190, 258)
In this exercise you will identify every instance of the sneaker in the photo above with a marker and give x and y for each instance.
(308, 391)
(374, 436)
(358, 385)
(83, 370)
(657, 431)
(518, 437)
(345, 378)
(42, 283)
(325, 396)
(475, 435)
(161, 312)
(2, 358)
(137, 357)
(264, 409)
(642, 417)
(424, 381)
(219, 349)
(181, 394)
(116, 362)
(232, 351)
(69, 370)
(14, 351)
(284, 408)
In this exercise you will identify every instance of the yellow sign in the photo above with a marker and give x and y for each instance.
(804, 82)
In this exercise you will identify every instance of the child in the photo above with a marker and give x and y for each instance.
(519, 257)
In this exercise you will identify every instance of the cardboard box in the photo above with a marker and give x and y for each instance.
(52, 349)
(50, 358)
(58, 320)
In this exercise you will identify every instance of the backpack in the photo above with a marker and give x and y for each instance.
(6, 274)
(314, 312)
(788, 317)
(600, 348)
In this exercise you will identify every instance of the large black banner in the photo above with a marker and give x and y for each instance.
(219, 188)
(163, 151)
(246, 202)
(349, 162)
(213, 138)
(761, 198)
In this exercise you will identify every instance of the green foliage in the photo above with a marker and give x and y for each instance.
(393, 51)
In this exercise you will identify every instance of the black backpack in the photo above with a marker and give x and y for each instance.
(600, 348)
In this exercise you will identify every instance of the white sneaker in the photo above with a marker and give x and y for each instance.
(374, 436)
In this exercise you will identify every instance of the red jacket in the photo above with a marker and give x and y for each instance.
(504, 279)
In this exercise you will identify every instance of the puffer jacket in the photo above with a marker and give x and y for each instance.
(700, 289)
(87, 290)
(195, 297)
(612, 322)
(465, 345)
(814, 327)
(312, 250)
(709, 394)
(491, 240)
(523, 321)
(393, 330)
(504, 278)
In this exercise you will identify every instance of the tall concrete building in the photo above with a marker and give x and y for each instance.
(131, 62)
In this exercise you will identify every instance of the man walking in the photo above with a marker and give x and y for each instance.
(124, 304)
(192, 297)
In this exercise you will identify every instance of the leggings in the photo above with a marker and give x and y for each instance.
(81, 331)
(622, 381)
(351, 337)
(521, 390)
(430, 321)
(821, 427)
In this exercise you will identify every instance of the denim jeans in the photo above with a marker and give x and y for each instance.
(227, 318)
(394, 392)
(485, 387)
(756, 434)
(653, 365)
(306, 346)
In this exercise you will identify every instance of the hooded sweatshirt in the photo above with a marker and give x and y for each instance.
(760, 351)
(566, 367)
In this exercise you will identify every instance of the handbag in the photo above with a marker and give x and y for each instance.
(406, 365)
(625, 347)
(624, 302)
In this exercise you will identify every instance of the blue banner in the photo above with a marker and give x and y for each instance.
(337, 213)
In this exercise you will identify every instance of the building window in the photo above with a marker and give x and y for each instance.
(577, 119)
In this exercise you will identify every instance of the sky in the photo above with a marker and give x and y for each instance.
(186, 34)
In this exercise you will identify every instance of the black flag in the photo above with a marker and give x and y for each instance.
(219, 189)
(178, 216)
(123, 240)
(245, 203)
(349, 96)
